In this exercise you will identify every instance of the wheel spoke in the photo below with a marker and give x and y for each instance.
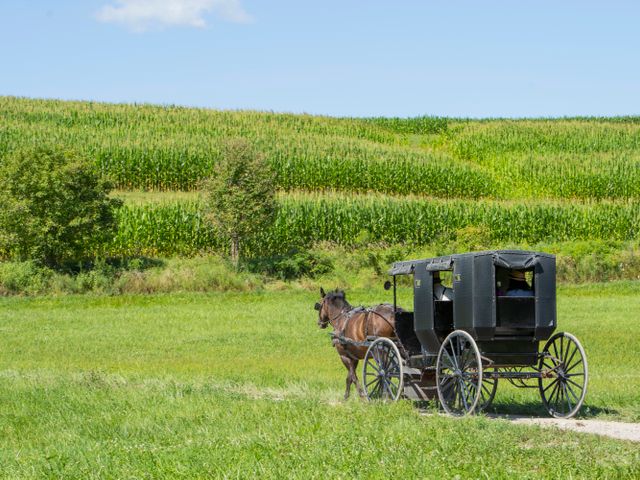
(375, 379)
(578, 362)
(564, 389)
(385, 357)
(573, 394)
(451, 362)
(455, 354)
(456, 394)
(467, 394)
(561, 399)
(555, 350)
(463, 395)
(555, 380)
(373, 365)
(376, 355)
(375, 392)
(568, 362)
(576, 384)
(550, 367)
(467, 359)
(554, 391)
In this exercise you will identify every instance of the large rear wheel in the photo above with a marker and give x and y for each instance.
(459, 374)
(489, 387)
(563, 375)
(382, 372)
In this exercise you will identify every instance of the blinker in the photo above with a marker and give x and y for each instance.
(317, 306)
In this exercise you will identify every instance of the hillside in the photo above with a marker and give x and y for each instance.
(384, 180)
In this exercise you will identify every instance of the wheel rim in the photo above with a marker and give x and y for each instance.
(459, 374)
(563, 383)
(383, 374)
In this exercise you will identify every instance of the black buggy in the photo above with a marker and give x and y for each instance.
(460, 348)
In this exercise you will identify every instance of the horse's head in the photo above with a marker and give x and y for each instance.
(330, 306)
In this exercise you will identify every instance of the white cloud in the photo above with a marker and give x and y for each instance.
(140, 15)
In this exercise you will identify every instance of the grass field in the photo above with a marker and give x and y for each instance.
(237, 385)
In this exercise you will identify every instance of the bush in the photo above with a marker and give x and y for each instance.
(294, 264)
(56, 207)
(23, 278)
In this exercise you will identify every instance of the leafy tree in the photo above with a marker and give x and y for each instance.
(54, 206)
(241, 194)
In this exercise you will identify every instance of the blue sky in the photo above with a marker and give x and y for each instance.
(345, 58)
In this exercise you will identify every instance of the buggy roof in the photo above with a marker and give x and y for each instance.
(518, 259)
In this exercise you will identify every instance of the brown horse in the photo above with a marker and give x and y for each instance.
(353, 325)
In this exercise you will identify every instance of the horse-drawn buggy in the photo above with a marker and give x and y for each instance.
(458, 345)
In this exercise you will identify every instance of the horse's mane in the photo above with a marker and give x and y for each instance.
(338, 295)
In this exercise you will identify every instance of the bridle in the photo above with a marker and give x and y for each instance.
(318, 307)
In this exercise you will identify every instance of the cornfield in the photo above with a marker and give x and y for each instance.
(172, 148)
(178, 228)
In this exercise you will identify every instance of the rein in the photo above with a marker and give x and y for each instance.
(366, 323)
(342, 312)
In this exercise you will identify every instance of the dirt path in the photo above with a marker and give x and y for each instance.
(619, 430)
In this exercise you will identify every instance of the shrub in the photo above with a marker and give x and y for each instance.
(23, 278)
(55, 207)
(295, 264)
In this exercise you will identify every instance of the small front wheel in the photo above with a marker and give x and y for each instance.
(459, 374)
(383, 373)
(563, 375)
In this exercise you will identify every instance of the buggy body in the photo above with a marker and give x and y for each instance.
(459, 348)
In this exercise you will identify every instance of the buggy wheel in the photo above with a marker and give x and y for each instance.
(459, 374)
(383, 373)
(564, 375)
(488, 392)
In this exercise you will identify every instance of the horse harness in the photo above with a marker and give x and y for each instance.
(339, 338)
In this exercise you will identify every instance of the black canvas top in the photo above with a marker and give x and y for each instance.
(517, 259)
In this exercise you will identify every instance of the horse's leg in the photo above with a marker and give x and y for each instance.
(354, 378)
(348, 363)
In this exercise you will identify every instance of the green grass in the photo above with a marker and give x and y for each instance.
(196, 385)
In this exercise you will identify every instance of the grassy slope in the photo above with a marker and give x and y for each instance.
(525, 164)
(144, 146)
(186, 385)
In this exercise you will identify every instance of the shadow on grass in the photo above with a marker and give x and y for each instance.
(537, 409)
(136, 263)
(520, 409)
